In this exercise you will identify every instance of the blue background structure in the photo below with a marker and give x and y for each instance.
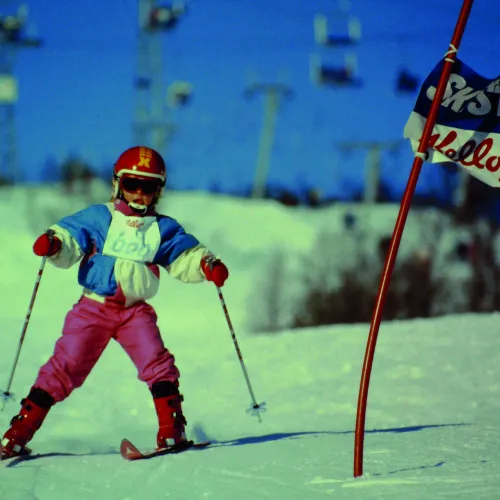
(76, 92)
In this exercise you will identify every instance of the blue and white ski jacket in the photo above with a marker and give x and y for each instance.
(121, 252)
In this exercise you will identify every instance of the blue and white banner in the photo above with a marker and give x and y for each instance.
(467, 129)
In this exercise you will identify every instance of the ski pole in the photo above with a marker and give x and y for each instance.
(256, 408)
(6, 395)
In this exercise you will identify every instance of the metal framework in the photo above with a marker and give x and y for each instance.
(373, 162)
(273, 92)
(12, 38)
(152, 124)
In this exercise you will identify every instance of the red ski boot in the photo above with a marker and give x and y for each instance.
(23, 426)
(171, 420)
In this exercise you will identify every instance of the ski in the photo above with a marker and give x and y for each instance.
(130, 452)
(127, 450)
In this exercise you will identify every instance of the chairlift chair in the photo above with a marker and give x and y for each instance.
(336, 76)
(406, 82)
(323, 37)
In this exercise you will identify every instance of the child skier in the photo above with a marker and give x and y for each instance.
(121, 245)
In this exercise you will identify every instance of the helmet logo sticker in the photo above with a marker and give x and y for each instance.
(145, 155)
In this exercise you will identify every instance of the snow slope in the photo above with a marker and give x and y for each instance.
(433, 415)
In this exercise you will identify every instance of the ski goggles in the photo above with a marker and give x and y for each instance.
(133, 184)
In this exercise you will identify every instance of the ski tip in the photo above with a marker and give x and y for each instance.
(128, 450)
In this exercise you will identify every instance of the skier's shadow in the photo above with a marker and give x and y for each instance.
(266, 438)
(297, 435)
(28, 458)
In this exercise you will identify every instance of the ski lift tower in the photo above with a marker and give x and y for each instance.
(373, 162)
(274, 94)
(12, 38)
(151, 122)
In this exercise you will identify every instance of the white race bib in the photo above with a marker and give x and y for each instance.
(132, 238)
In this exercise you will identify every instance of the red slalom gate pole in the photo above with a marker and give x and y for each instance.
(398, 232)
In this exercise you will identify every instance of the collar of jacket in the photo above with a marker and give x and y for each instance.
(123, 207)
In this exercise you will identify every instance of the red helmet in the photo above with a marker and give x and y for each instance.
(142, 162)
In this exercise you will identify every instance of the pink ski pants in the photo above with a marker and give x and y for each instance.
(88, 328)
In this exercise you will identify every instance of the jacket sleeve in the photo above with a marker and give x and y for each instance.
(187, 266)
(79, 233)
(70, 252)
(180, 253)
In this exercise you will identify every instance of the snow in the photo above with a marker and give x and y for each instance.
(432, 426)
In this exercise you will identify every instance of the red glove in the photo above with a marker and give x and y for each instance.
(214, 270)
(47, 245)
